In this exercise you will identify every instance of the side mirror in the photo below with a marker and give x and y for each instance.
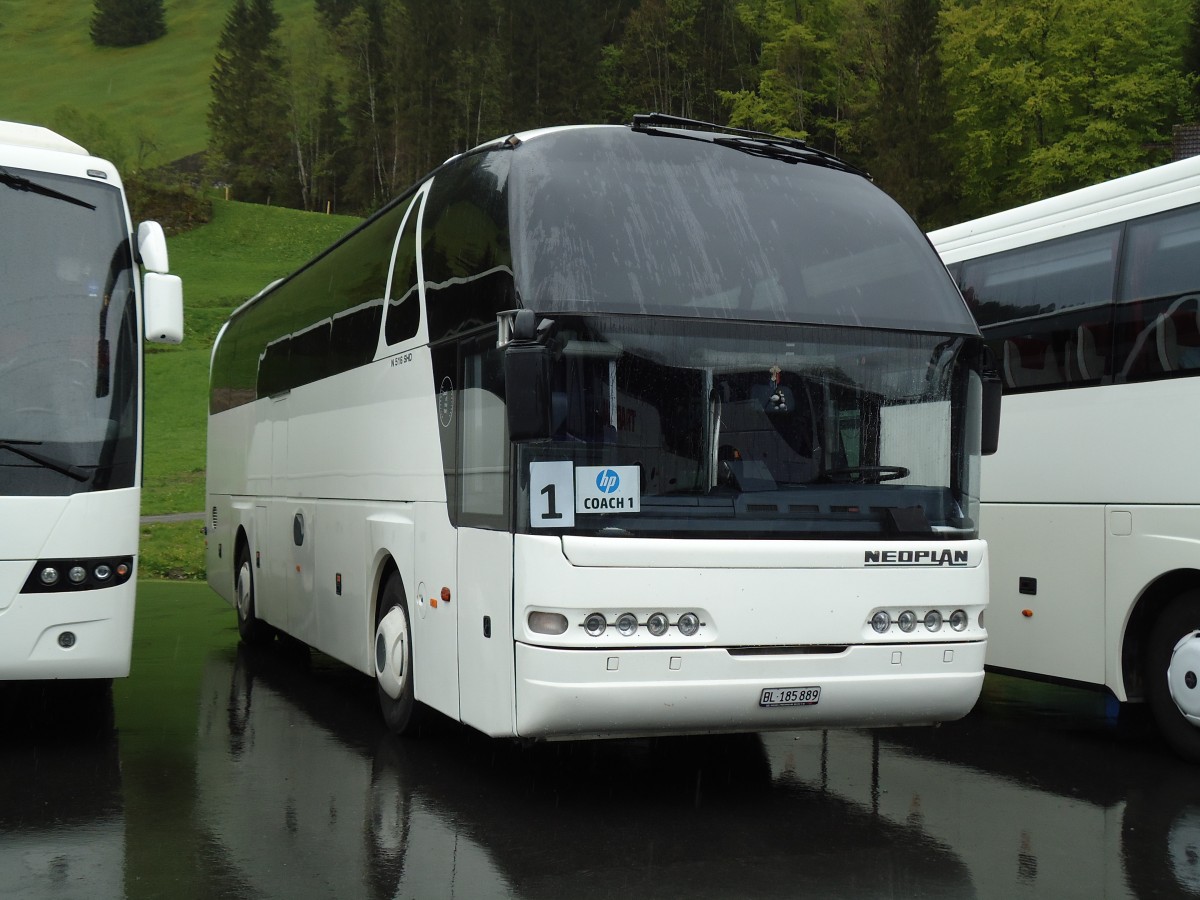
(152, 247)
(162, 300)
(527, 391)
(989, 438)
(527, 359)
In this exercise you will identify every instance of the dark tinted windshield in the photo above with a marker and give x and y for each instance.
(68, 338)
(612, 220)
(749, 430)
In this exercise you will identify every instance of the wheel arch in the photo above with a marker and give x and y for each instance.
(1141, 619)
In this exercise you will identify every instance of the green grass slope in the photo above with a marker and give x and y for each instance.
(159, 90)
(222, 264)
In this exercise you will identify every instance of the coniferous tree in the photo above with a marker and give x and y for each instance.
(1191, 54)
(127, 23)
(248, 114)
(909, 117)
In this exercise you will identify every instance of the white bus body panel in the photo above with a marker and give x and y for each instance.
(749, 595)
(104, 523)
(1140, 194)
(1091, 519)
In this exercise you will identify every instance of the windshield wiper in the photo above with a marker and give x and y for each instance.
(754, 143)
(786, 150)
(21, 448)
(20, 183)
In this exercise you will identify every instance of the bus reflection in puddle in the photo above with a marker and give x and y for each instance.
(62, 819)
(300, 789)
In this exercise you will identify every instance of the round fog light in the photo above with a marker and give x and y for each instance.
(595, 624)
(658, 624)
(907, 621)
(688, 624)
(547, 623)
(49, 576)
(881, 621)
(933, 620)
(958, 620)
(66, 640)
(102, 572)
(78, 574)
(627, 624)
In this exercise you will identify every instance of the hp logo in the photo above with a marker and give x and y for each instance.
(608, 481)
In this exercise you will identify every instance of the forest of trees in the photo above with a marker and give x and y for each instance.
(956, 107)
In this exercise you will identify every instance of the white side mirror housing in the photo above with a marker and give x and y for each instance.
(162, 300)
(152, 247)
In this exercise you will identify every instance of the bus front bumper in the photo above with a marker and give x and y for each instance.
(83, 634)
(641, 692)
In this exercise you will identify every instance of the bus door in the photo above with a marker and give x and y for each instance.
(485, 541)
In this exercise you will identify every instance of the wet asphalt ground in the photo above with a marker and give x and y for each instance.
(217, 772)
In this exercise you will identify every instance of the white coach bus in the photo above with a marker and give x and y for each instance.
(72, 314)
(1091, 300)
(613, 430)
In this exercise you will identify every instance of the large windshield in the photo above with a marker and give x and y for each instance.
(68, 326)
(612, 220)
(683, 426)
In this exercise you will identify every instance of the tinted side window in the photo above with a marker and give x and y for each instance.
(465, 246)
(483, 445)
(404, 305)
(1046, 309)
(1158, 317)
(322, 320)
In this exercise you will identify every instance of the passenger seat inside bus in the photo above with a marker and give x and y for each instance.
(1177, 333)
(1030, 362)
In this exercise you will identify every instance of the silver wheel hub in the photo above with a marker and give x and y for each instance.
(1183, 677)
(391, 652)
(243, 591)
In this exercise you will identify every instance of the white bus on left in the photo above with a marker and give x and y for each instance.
(73, 312)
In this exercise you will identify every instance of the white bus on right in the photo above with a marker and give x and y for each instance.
(1091, 505)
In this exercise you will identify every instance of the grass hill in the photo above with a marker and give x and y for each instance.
(157, 96)
(158, 92)
(222, 264)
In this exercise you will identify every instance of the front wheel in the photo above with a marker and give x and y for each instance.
(394, 660)
(1173, 674)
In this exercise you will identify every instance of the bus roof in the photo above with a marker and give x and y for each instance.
(1132, 196)
(37, 138)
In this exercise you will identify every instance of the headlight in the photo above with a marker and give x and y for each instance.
(595, 624)
(907, 621)
(627, 624)
(933, 620)
(547, 623)
(958, 620)
(688, 624)
(657, 624)
(881, 621)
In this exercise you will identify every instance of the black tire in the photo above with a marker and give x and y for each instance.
(1180, 617)
(252, 630)
(402, 714)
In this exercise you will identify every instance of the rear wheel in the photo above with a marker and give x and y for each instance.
(253, 630)
(1173, 674)
(394, 658)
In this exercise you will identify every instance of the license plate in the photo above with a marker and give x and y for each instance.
(797, 696)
